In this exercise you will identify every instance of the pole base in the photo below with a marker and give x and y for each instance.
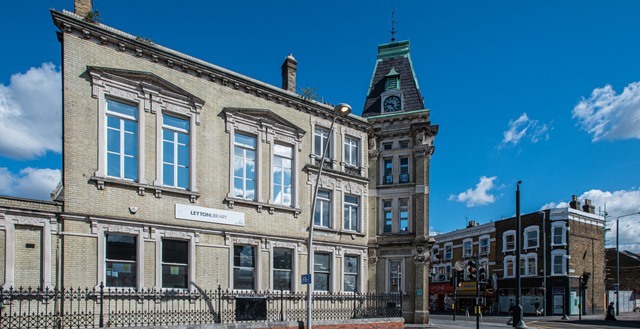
(521, 325)
(565, 317)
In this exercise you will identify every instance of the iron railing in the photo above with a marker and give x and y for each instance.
(111, 307)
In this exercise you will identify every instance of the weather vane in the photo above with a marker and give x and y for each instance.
(393, 23)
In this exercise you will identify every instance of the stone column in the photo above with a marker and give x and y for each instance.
(421, 310)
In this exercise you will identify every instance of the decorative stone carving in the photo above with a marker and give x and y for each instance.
(19, 220)
(283, 244)
(138, 52)
(373, 260)
(177, 234)
(122, 229)
(394, 252)
(100, 184)
(121, 46)
(158, 193)
(121, 93)
(238, 240)
(324, 248)
(140, 190)
(169, 63)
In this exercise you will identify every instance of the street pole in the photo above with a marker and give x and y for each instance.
(617, 267)
(544, 263)
(478, 290)
(455, 296)
(520, 323)
(342, 110)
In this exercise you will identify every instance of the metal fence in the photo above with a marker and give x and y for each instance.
(109, 307)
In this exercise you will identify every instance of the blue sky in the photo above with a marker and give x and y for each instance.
(543, 91)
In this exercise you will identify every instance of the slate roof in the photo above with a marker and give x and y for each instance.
(393, 56)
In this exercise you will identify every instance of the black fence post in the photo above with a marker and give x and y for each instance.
(281, 304)
(101, 321)
(219, 317)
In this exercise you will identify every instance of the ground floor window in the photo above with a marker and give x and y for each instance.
(351, 269)
(121, 251)
(282, 265)
(244, 265)
(175, 263)
(322, 271)
(394, 275)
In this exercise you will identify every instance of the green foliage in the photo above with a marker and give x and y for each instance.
(93, 17)
(310, 93)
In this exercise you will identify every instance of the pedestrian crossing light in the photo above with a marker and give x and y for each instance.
(472, 269)
(460, 278)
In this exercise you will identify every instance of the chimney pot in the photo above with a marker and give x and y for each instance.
(588, 208)
(575, 203)
(82, 7)
(289, 69)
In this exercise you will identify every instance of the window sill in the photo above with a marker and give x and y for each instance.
(102, 182)
(352, 233)
(397, 185)
(260, 206)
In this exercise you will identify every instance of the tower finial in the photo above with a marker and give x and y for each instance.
(393, 24)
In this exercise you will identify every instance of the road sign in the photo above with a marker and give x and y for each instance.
(306, 278)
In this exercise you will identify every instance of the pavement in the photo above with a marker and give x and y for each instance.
(625, 320)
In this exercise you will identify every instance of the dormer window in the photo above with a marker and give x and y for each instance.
(393, 80)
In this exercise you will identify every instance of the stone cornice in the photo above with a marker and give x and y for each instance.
(70, 23)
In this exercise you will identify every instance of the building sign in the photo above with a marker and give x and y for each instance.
(209, 215)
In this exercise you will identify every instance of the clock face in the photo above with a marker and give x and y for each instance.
(392, 104)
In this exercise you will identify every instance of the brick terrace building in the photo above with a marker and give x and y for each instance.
(573, 239)
(461, 246)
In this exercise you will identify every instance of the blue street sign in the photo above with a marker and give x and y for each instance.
(306, 278)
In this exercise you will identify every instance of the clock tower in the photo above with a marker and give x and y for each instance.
(401, 144)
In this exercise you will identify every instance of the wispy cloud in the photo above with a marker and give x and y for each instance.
(478, 196)
(524, 128)
(618, 203)
(32, 183)
(609, 116)
(30, 119)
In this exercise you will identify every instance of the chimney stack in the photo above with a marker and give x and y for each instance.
(289, 69)
(472, 223)
(82, 7)
(574, 204)
(587, 207)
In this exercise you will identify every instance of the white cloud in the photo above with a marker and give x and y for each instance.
(30, 119)
(479, 196)
(617, 203)
(609, 116)
(524, 127)
(32, 183)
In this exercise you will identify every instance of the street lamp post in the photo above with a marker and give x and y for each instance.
(342, 110)
(518, 312)
(618, 260)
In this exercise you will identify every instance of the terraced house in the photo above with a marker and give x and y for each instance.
(180, 174)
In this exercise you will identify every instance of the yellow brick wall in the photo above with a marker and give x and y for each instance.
(28, 261)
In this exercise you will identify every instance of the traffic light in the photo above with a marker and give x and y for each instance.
(584, 280)
(459, 277)
(472, 269)
(482, 274)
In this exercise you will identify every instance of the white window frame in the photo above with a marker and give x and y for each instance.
(246, 148)
(347, 215)
(175, 235)
(467, 252)
(559, 253)
(176, 131)
(122, 118)
(281, 183)
(530, 258)
(533, 228)
(487, 238)
(555, 225)
(514, 268)
(402, 275)
(504, 240)
(319, 132)
(352, 151)
(320, 200)
(450, 245)
(256, 266)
